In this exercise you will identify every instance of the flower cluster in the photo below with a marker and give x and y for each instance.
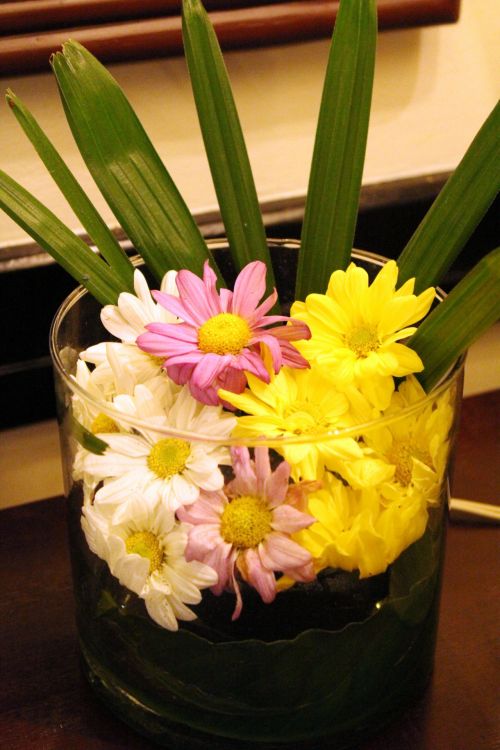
(357, 460)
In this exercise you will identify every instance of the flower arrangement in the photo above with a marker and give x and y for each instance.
(226, 448)
(197, 361)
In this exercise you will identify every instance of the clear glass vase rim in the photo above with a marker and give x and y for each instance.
(102, 406)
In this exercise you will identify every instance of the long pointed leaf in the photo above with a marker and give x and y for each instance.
(92, 222)
(61, 243)
(339, 151)
(469, 310)
(87, 439)
(223, 138)
(125, 165)
(457, 210)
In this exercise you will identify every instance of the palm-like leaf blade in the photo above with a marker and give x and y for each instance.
(224, 141)
(74, 255)
(92, 222)
(125, 165)
(339, 150)
(457, 210)
(470, 308)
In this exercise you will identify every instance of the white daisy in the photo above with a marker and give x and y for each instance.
(167, 469)
(102, 390)
(130, 317)
(127, 320)
(145, 551)
(91, 417)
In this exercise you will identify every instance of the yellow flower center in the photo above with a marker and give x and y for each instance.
(103, 423)
(362, 341)
(225, 333)
(303, 417)
(146, 544)
(168, 457)
(246, 521)
(402, 455)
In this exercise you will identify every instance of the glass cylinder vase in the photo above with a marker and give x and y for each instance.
(325, 658)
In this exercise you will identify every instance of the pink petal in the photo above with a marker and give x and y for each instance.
(189, 358)
(195, 295)
(180, 374)
(207, 509)
(293, 332)
(274, 348)
(268, 320)
(152, 343)
(257, 317)
(304, 573)
(259, 577)
(208, 369)
(202, 540)
(292, 357)
(249, 288)
(239, 601)
(278, 552)
(159, 345)
(251, 361)
(221, 559)
(232, 380)
(245, 482)
(206, 396)
(226, 297)
(288, 519)
(262, 467)
(210, 282)
(176, 331)
(277, 485)
(177, 307)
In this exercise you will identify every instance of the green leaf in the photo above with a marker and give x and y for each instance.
(72, 253)
(126, 167)
(96, 228)
(224, 142)
(469, 310)
(320, 683)
(415, 570)
(457, 210)
(106, 603)
(339, 150)
(87, 439)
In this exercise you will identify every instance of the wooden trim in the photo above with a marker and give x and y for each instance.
(249, 26)
(37, 15)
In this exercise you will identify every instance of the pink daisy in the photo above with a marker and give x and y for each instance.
(247, 528)
(221, 333)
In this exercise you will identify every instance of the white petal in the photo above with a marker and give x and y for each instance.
(111, 465)
(133, 446)
(159, 609)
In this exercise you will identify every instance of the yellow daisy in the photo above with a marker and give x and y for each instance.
(303, 403)
(356, 328)
(417, 445)
(355, 530)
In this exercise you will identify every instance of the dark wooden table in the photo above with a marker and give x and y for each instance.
(45, 704)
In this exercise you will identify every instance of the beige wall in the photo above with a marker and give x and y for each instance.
(434, 87)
